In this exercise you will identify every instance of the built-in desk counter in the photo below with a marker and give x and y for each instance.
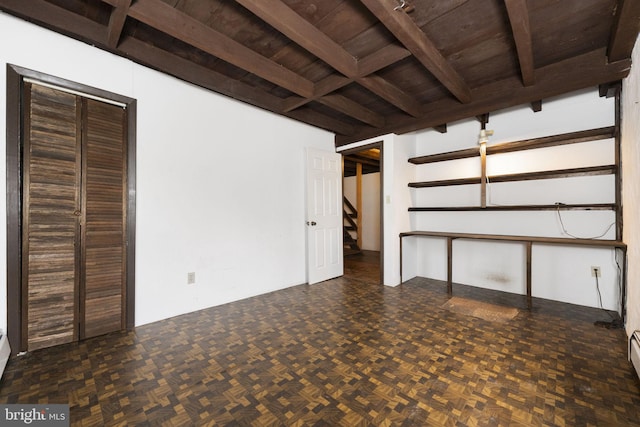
(528, 241)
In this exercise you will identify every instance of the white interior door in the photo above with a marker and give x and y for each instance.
(324, 215)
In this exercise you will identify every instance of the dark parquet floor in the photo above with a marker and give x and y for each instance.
(346, 352)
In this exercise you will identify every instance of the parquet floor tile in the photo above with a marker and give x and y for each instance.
(346, 352)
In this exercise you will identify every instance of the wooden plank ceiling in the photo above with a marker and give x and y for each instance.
(363, 68)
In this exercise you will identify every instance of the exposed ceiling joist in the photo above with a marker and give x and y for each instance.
(391, 94)
(625, 30)
(362, 69)
(385, 57)
(340, 103)
(165, 18)
(572, 74)
(292, 25)
(116, 22)
(285, 20)
(519, 19)
(417, 42)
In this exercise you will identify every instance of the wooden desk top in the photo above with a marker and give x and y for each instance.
(543, 240)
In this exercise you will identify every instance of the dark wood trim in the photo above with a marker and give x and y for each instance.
(562, 206)
(15, 77)
(14, 207)
(25, 156)
(131, 124)
(525, 144)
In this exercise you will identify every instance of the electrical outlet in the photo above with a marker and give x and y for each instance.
(191, 278)
(595, 272)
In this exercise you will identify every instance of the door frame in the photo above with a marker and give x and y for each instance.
(378, 145)
(15, 82)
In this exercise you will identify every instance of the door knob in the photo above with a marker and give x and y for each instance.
(311, 223)
(77, 213)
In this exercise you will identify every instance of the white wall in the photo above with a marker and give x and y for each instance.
(370, 208)
(559, 273)
(631, 188)
(220, 184)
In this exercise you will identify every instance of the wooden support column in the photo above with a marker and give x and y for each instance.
(483, 175)
(449, 265)
(528, 261)
(618, 162)
(400, 259)
(484, 119)
(359, 203)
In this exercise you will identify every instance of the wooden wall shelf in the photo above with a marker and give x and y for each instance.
(528, 176)
(526, 144)
(561, 206)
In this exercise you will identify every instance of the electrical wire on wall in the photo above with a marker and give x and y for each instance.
(615, 322)
(565, 232)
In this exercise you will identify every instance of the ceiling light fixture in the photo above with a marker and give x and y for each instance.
(405, 6)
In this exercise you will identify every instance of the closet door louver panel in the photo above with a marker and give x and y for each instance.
(104, 247)
(50, 217)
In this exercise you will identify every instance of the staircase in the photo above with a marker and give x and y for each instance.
(350, 228)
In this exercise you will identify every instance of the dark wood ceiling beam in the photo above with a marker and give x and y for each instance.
(391, 94)
(441, 128)
(288, 22)
(386, 56)
(85, 29)
(165, 18)
(198, 75)
(625, 30)
(372, 153)
(536, 106)
(361, 160)
(521, 29)
(300, 31)
(322, 88)
(586, 70)
(412, 36)
(116, 22)
(58, 19)
(353, 109)
(322, 121)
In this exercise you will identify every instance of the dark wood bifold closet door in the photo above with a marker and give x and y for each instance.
(74, 220)
(103, 238)
(51, 222)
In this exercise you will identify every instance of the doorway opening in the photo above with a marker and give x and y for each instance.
(363, 210)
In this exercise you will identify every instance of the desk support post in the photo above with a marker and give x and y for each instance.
(401, 259)
(449, 265)
(528, 246)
